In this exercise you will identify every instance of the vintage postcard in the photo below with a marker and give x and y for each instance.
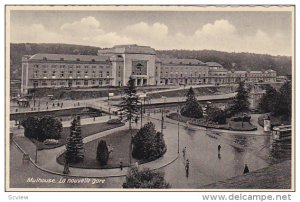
(151, 98)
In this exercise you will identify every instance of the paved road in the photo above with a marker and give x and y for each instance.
(206, 166)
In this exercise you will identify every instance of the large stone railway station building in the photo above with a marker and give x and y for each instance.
(114, 67)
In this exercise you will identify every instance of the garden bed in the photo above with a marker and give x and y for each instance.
(120, 142)
(87, 130)
(230, 125)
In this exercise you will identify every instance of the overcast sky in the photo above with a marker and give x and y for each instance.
(257, 32)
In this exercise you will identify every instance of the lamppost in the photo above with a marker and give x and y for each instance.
(108, 101)
(141, 96)
(178, 111)
(162, 114)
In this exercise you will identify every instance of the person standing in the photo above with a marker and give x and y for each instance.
(219, 149)
(246, 169)
(187, 167)
(183, 152)
(121, 165)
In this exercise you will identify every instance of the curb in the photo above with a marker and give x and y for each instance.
(81, 176)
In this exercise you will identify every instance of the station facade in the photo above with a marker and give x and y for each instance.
(114, 67)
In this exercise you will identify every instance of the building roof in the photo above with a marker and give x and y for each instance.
(176, 61)
(213, 64)
(133, 49)
(240, 72)
(255, 72)
(64, 57)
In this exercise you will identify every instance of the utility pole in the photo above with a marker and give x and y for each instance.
(178, 111)
(162, 114)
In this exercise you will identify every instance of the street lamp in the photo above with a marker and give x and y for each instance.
(178, 111)
(108, 96)
(162, 114)
(144, 95)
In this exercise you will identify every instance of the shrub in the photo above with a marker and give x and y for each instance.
(145, 179)
(216, 115)
(41, 129)
(148, 144)
(191, 108)
(114, 121)
(51, 128)
(32, 128)
(102, 152)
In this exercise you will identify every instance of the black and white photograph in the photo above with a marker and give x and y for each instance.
(151, 98)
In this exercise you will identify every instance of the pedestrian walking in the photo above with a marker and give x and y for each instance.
(121, 165)
(183, 152)
(246, 169)
(187, 167)
(219, 149)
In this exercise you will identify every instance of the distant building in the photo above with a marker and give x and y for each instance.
(114, 66)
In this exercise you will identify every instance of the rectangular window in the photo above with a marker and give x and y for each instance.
(86, 82)
(35, 74)
(101, 74)
(78, 83)
(53, 83)
(107, 73)
(62, 74)
(78, 74)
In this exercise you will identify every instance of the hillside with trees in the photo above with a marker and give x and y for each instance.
(235, 61)
(231, 61)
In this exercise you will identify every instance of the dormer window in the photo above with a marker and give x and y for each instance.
(62, 59)
(77, 59)
(93, 60)
(44, 58)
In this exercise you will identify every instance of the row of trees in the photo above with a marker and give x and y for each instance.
(240, 104)
(278, 103)
(47, 127)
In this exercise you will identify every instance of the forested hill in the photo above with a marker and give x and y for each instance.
(237, 61)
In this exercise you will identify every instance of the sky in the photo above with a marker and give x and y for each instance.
(256, 32)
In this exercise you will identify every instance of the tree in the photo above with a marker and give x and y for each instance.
(216, 115)
(129, 106)
(50, 127)
(283, 104)
(75, 150)
(268, 100)
(32, 128)
(241, 101)
(148, 144)
(191, 108)
(102, 152)
(145, 179)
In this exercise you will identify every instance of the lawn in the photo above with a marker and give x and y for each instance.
(120, 142)
(87, 130)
